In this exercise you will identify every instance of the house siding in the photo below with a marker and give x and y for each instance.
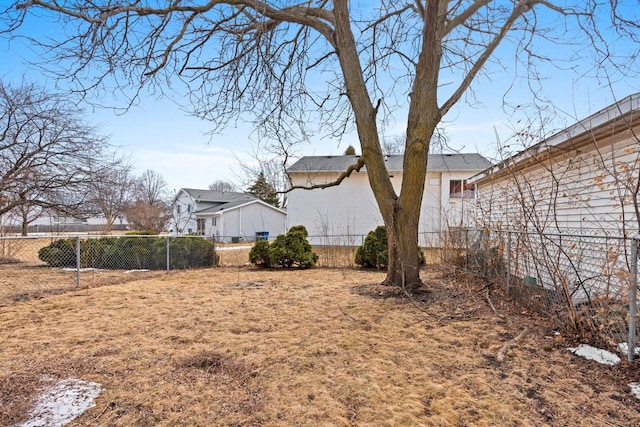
(346, 213)
(244, 221)
(184, 221)
(586, 191)
(589, 190)
(345, 210)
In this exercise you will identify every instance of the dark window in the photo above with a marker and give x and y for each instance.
(459, 189)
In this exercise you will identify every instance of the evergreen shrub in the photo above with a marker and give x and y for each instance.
(288, 250)
(259, 254)
(374, 252)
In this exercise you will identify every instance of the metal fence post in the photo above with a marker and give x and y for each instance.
(215, 253)
(633, 295)
(508, 266)
(78, 262)
(168, 257)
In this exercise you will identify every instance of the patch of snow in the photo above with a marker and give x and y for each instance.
(635, 389)
(232, 248)
(596, 354)
(623, 348)
(137, 271)
(59, 405)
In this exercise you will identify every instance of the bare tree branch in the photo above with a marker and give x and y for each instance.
(44, 150)
(344, 175)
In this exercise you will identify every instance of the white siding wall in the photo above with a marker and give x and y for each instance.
(456, 212)
(184, 220)
(350, 209)
(245, 221)
(589, 191)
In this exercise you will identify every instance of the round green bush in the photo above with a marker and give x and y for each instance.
(292, 249)
(61, 253)
(374, 252)
(259, 254)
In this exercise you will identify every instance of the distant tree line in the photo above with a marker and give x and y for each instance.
(52, 162)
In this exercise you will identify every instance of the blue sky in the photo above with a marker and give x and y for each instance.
(158, 135)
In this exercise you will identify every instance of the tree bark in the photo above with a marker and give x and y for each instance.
(424, 114)
(402, 235)
(25, 226)
(400, 213)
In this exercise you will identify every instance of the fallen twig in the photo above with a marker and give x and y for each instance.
(503, 351)
(502, 316)
(464, 315)
(110, 404)
(348, 315)
(418, 304)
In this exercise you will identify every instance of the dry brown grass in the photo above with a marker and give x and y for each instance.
(235, 346)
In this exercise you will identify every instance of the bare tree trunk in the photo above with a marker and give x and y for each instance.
(424, 115)
(403, 269)
(24, 211)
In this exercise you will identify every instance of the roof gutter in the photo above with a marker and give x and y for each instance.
(577, 135)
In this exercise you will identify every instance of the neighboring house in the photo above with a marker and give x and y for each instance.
(227, 215)
(45, 221)
(350, 211)
(581, 181)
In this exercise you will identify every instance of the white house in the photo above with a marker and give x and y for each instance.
(229, 216)
(48, 221)
(350, 208)
(582, 181)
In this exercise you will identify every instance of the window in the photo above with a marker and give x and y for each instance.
(189, 208)
(178, 208)
(200, 225)
(214, 221)
(459, 189)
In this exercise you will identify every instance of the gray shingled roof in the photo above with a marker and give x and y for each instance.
(223, 206)
(437, 163)
(217, 196)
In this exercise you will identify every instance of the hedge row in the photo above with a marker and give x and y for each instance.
(128, 253)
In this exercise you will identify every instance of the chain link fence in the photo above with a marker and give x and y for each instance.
(584, 282)
(41, 265)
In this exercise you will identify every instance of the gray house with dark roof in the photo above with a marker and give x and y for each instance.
(350, 209)
(227, 215)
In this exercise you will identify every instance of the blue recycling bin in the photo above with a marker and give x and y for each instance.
(262, 235)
